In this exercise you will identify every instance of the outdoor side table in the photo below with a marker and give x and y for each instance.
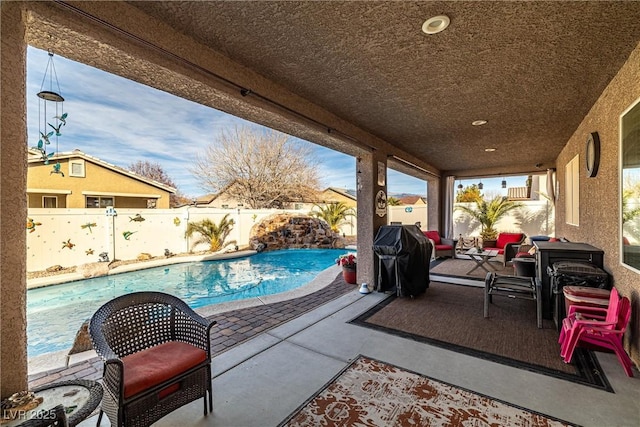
(481, 258)
(513, 287)
(79, 397)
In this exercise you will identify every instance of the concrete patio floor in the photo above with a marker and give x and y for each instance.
(261, 381)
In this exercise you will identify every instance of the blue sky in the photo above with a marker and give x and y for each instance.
(121, 122)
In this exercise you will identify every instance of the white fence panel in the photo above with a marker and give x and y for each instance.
(65, 237)
(535, 218)
(409, 215)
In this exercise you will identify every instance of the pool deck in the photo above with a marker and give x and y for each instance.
(269, 358)
(237, 322)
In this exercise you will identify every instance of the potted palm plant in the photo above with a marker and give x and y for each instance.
(488, 214)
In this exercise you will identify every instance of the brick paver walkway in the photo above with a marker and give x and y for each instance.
(233, 328)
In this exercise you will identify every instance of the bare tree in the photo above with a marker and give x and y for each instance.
(261, 169)
(154, 171)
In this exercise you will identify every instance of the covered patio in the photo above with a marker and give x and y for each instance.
(364, 79)
(261, 380)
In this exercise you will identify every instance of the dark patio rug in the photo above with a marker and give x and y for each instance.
(451, 316)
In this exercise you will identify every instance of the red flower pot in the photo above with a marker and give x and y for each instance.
(349, 274)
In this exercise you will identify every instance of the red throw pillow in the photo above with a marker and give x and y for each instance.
(504, 238)
(433, 235)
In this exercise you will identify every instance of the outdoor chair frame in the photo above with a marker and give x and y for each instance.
(134, 323)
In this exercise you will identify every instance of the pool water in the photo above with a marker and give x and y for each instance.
(55, 313)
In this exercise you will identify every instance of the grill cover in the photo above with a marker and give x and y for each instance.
(403, 255)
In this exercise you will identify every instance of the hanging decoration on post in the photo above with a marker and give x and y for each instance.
(51, 115)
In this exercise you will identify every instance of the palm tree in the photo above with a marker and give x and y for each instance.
(211, 233)
(334, 213)
(489, 213)
(392, 201)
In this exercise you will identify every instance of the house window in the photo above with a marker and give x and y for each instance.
(572, 188)
(99, 202)
(49, 202)
(76, 168)
(297, 206)
(152, 203)
(225, 206)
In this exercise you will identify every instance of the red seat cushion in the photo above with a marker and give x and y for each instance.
(500, 250)
(444, 247)
(155, 365)
(433, 235)
(524, 255)
(504, 238)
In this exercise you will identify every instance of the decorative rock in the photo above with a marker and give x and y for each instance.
(94, 269)
(54, 268)
(144, 256)
(283, 231)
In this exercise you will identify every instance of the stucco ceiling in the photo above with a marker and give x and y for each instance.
(531, 69)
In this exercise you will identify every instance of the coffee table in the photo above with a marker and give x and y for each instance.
(79, 398)
(481, 258)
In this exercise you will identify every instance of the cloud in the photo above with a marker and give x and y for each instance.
(121, 122)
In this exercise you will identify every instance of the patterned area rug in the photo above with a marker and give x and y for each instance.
(373, 393)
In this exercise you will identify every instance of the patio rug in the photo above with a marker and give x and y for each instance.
(459, 267)
(451, 316)
(369, 392)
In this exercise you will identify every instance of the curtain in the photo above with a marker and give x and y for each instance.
(447, 217)
(551, 186)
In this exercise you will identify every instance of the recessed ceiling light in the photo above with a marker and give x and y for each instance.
(489, 149)
(479, 122)
(436, 24)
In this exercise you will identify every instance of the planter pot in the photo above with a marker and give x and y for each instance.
(349, 275)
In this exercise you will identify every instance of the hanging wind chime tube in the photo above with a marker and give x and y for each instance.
(51, 115)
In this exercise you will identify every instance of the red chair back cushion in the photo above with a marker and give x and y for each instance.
(504, 238)
(153, 366)
(433, 235)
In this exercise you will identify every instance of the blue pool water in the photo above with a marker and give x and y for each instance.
(55, 313)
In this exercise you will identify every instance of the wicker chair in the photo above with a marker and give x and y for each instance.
(157, 357)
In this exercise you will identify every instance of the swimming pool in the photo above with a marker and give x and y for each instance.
(55, 313)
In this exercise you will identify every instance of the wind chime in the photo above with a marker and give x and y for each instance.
(51, 115)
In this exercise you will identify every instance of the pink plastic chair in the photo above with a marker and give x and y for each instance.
(587, 327)
(594, 313)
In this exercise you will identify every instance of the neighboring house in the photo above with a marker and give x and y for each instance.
(413, 200)
(89, 182)
(331, 195)
(223, 200)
